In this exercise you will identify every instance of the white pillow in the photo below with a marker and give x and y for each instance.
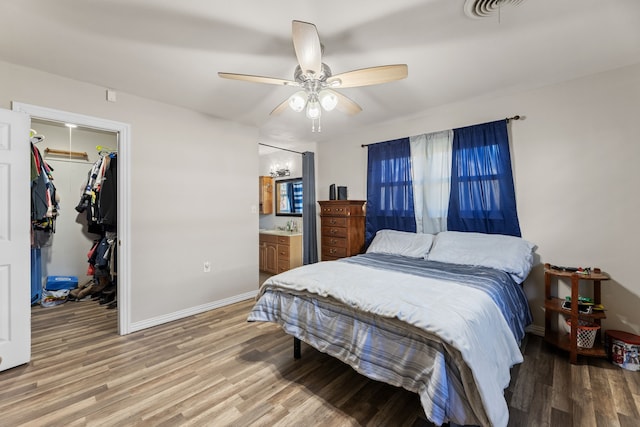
(510, 254)
(414, 245)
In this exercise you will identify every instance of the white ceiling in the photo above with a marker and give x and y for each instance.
(171, 50)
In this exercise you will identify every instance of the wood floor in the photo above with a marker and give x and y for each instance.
(216, 369)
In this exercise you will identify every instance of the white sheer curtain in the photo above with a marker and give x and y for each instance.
(431, 169)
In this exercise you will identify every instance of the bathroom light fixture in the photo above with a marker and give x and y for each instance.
(278, 171)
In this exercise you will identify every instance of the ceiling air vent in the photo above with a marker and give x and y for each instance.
(487, 8)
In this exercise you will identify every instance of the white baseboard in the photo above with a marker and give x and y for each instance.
(149, 323)
(535, 330)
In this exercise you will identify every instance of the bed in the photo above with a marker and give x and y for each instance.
(441, 316)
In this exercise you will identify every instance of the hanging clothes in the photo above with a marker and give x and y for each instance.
(44, 200)
(44, 210)
(99, 199)
(99, 202)
(108, 201)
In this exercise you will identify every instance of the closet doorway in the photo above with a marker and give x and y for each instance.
(73, 153)
(117, 134)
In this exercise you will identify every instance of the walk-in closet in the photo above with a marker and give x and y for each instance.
(73, 215)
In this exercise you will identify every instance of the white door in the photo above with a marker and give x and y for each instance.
(15, 272)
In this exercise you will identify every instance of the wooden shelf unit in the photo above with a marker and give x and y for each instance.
(553, 305)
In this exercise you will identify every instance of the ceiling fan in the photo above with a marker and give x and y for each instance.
(316, 81)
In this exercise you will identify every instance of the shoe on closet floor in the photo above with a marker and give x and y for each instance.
(107, 298)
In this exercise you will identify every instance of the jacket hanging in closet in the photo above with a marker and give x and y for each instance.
(44, 200)
(99, 199)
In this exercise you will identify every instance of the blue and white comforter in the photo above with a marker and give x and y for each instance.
(453, 313)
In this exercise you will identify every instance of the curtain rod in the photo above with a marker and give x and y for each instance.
(516, 117)
(279, 148)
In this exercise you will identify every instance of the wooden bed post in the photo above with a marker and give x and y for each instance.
(296, 348)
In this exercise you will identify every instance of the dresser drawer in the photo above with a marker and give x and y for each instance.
(334, 231)
(334, 210)
(329, 252)
(335, 221)
(336, 242)
(283, 252)
(283, 265)
(283, 240)
(268, 238)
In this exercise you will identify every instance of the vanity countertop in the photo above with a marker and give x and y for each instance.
(280, 232)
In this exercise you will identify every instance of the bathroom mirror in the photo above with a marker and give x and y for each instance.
(289, 197)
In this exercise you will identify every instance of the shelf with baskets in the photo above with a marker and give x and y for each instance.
(584, 328)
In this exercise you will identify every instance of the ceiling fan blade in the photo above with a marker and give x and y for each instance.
(306, 43)
(258, 79)
(369, 76)
(280, 108)
(345, 104)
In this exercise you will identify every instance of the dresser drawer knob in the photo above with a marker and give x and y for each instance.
(334, 241)
(332, 251)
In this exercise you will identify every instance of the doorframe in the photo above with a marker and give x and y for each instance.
(124, 194)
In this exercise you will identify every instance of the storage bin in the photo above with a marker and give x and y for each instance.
(622, 349)
(55, 283)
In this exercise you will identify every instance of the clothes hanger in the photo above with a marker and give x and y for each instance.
(35, 138)
(105, 150)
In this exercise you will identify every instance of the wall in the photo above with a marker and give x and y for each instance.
(575, 168)
(67, 254)
(183, 209)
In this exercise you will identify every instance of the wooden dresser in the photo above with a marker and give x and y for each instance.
(280, 251)
(342, 223)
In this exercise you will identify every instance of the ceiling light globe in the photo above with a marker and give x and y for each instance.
(328, 100)
(297, 101)
(313, 110)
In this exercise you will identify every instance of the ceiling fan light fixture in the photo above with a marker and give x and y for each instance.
(315, 81)
(328, 100)
(313, 108)
(298, 101)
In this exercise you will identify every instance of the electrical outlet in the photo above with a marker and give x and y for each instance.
(207, 267)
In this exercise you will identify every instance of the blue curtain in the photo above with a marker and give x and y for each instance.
(482, 195)
(389, 188)
(309, 236)
(297, 197)
(290, 200)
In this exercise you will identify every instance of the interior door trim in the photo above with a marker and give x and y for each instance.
(124, 194)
